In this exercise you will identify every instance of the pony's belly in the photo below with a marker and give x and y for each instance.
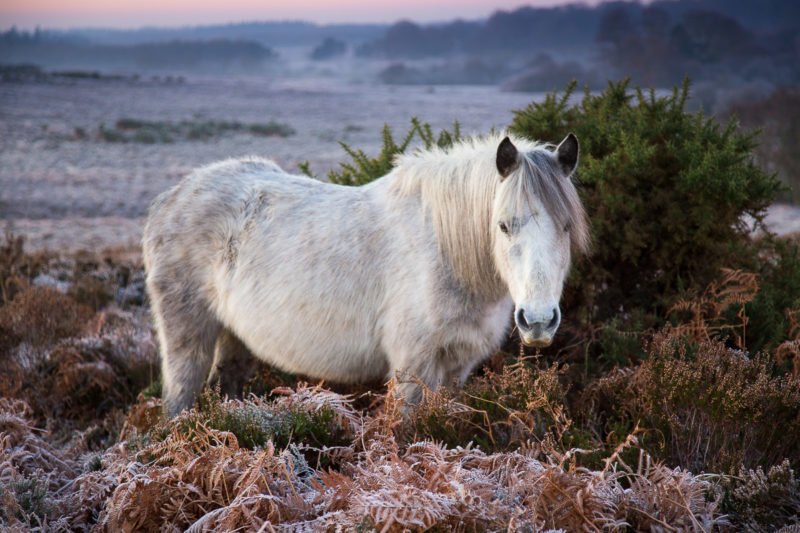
(338, 362)
(346, 355)
(315, 315)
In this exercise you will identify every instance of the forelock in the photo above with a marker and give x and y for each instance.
(540, 177)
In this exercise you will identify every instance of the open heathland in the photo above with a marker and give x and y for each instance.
(669, 401)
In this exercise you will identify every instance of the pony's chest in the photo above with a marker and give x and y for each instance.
(479, 327)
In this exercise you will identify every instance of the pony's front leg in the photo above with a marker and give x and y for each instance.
(233, 365)
(417, 372)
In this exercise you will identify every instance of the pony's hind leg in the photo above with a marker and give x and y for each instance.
(187, 332)
(233, 364)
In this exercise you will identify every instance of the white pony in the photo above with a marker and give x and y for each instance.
(416, 272)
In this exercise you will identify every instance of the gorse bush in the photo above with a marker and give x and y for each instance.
(666, 192)
(364, 169)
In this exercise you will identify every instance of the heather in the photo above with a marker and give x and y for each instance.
(669, 401)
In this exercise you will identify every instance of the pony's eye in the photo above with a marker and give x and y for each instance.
(504, 228)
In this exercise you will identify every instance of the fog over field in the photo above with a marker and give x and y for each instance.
(95, 122)
(68, 189)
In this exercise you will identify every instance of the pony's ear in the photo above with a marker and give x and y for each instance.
(507, 158)
(567, 154)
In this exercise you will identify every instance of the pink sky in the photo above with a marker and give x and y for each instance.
(27, 14)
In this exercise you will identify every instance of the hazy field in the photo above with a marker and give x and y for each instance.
(67, 193)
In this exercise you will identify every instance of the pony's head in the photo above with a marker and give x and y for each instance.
(537, 219)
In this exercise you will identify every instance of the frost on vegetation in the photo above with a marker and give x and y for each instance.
(765, 501)
(203, 480)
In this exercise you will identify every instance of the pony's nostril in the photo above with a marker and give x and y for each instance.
(521, 322)
(556, 317)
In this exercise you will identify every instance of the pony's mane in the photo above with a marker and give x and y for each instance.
(457, 186)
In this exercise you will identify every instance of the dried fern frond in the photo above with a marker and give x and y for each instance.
(706, 310)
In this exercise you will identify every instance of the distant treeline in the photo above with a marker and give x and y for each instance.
(55, 51)
(519, 31)
(270, 34)
(656, 44)
(575, 27)
(529, 48)
(704, 44)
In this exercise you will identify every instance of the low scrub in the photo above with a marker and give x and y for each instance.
(75, 365)
(519, 406)
(205, 480)
(706, 407)
(764, 501)
(160, 131)
(39, 316)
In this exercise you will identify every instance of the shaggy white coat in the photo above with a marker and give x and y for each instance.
(416, 272)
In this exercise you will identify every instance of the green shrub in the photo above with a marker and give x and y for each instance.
(364, 169)
(201, 130)
(163, 131)
(665, 190)
(152, 136)
(131, 124)
(619, 341)
(30, 495)
(768, 314)
(111, 135)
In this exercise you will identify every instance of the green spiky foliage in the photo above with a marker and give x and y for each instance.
(667, 193)
(364, 169)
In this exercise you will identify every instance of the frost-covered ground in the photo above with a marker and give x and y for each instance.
(66, 193)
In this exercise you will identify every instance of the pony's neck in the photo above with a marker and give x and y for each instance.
(457, 192)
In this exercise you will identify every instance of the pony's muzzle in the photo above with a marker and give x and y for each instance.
(537, 328)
